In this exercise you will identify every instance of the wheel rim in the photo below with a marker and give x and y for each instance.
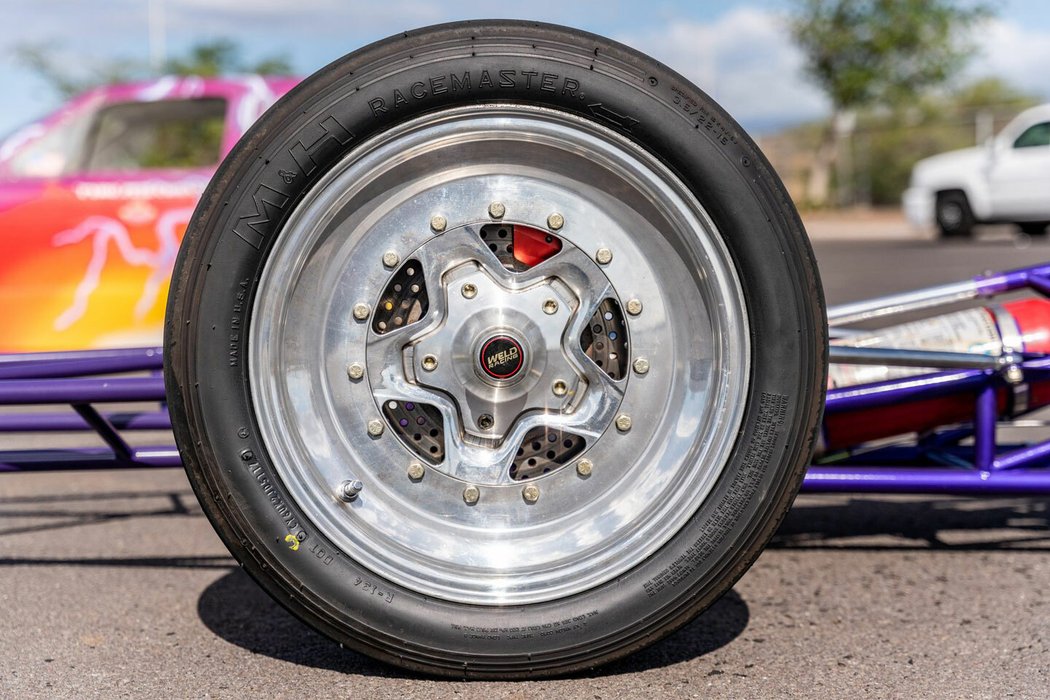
(337, 380)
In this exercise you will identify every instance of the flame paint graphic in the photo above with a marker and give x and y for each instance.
(102, 230)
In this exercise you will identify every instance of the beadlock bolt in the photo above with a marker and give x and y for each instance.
(348, 490)
(471, 494)
(555, 221)
(416, 471)
(559, 388)
(391, 258)
(438, 223)
(550, 307)
(584, 467)
(634, 306)
(375, 427)
(361, 312)
(469, 291)
(623, 422)
(497, 210)
(429, 363)
(355, 370)
(530, 493)
(641, 365)
(603, 256)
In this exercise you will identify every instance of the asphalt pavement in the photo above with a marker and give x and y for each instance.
(113, 585)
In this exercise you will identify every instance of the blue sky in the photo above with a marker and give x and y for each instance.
(737, 50)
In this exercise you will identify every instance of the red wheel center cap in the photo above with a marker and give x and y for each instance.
(502, 357)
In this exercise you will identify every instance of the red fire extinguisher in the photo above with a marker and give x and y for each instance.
(1015, 326)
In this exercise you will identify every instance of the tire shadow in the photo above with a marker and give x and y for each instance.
(236, 609)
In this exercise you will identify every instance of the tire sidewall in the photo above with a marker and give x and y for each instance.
(299, 140)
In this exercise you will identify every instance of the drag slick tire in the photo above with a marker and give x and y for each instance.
(495, 349)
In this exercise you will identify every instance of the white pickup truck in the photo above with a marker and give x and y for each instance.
(1005, 181)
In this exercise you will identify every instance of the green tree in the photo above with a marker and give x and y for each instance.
(208, 58)
(863, 53)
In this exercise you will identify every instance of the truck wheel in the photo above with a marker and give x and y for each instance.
(954, 217)
(496, 349)
(1033, 228)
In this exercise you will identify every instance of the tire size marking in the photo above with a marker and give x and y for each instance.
(547, 629)
(373, 589)
(772, 410)
(276, 500)
(703, 118)
(467, 81)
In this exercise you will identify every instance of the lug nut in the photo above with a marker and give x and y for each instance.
(603, 256)
(497, 210)
(559, 388)
(584, 467)
(550, 307)
(416, 471)
(429, 363)
(471, 494)
(438, 223)
(469, 290)
(641, 365)
(634, 307)
(391, 258)
(486, 421)
(348, 490)
(555, 221)
(530, 493)
(355, 370)
(361, 312)
(375, 427)
(623, 422)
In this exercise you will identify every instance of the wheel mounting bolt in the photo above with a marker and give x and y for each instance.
(486, 421)
(555, 221)
(584, 467)
(348, 490)
(469, 290)
(603, 256)
(471, 494)
(641, 365)
(623, 422)
(530, 493)
(559, 388)
(391, 258)
(550, 307)
(361, 311)
(355, 370)
(375, 427)
(429, 363)
(438, 223)
(416, 471)
(497, 210)
(634, 306)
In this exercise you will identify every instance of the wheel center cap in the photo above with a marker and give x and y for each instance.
(502, 357)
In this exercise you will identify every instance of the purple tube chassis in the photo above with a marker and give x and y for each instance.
(934, 463)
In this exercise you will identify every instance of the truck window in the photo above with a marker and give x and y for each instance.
(1038, 135)
(162, 134)
(51, 154)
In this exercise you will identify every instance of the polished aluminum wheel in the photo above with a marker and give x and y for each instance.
(520, 333)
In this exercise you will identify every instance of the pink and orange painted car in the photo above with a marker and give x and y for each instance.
(94, 200)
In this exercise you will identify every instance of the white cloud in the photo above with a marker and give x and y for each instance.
(1016, 53)
(745, 60)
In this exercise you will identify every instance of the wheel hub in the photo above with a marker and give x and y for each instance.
(502, 358)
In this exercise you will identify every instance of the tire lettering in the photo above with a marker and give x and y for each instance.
(254, 228)
(459, 82)
(334, 135)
